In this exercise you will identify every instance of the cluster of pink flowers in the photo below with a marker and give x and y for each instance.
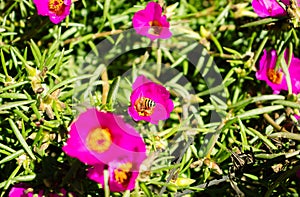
(104, 141)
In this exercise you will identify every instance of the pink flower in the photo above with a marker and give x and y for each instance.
(57, 10)
(100, 137)
(123, 170)
(150, 22)
(275, 78)
(149, 101)
(21, 190)
(268, 8)
(121, 177)
(285, 2)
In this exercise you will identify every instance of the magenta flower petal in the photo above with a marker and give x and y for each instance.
(57, 10)
(149, 101)
(20, 190)
(296, 116)
(152, 11)
(142, 18)
(100, 137)
(294, 70)
(23, 190)
(286, 2)
(41, 8)
(150, 22)
(140, 81)
(268, 8)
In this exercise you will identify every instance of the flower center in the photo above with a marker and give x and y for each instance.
(274, 76)
(99, 140)
(57, 6)
(123, 174)
(156, 28)
(144, 106)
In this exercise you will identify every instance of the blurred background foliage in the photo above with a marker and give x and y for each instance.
(225, 137)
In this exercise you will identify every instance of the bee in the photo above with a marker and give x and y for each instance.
(144, 106)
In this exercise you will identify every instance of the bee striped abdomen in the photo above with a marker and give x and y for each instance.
(144, 106)
(149, 103)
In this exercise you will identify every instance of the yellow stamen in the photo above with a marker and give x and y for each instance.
(122, 174)
(274, 76)
(99, 140)
(144, 106)
(56, 6)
